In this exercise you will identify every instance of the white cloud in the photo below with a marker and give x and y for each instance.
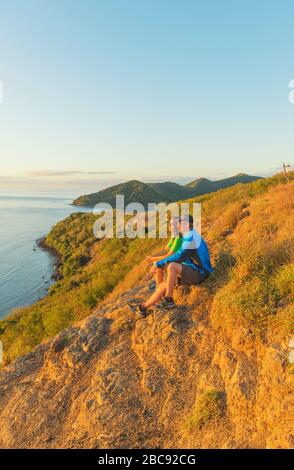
(67, 172)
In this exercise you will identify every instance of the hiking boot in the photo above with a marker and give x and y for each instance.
(152, 286)
(167, 302)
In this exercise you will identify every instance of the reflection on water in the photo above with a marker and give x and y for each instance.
(25, 270)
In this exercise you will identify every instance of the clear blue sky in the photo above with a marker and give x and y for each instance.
(143, 88)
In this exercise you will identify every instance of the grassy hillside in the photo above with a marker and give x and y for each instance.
(136, 191)
(249, 231)
(90, 269)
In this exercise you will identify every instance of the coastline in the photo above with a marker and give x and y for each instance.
(41, 243)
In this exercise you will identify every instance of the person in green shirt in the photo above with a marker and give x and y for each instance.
(173, 245)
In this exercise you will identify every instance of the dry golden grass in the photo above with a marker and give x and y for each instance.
(252, 246)
(249, 229)
(218, 363)
(261, 283)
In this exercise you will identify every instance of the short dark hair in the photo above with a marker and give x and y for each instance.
(187, 218)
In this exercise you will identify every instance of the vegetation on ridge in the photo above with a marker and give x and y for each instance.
(249, 229)
(144, 193)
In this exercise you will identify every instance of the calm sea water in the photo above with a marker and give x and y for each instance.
(26, 270)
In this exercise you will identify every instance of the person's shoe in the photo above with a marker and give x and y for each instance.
(140, 310)
(152, 286)
(167, 302)
(143, 311)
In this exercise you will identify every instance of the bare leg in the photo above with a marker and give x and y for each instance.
(159, 276)
(158, 294)
(173, 271)
(153, 270)
(158, 273)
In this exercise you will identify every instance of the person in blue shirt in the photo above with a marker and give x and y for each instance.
(190, 265)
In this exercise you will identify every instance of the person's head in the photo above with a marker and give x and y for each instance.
(173, 225)
(185, 223)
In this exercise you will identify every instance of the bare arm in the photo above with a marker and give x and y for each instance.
(159, 257)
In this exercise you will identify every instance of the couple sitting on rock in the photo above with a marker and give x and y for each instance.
(187, 261)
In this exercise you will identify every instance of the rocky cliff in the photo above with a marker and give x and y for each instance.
(116, 381)
(201, 375)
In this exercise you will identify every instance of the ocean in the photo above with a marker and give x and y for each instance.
(26, 270)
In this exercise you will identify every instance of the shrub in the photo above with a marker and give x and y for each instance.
(209, 407)
(284, 280)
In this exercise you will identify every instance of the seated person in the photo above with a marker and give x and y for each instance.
(172, 247)
(191, 264)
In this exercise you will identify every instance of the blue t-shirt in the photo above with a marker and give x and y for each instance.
(193, 252)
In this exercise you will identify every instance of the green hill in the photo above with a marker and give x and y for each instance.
(90, 269)
(173, 191)
(134, 191)
(214, 372)
(144, 193)
(204, 185)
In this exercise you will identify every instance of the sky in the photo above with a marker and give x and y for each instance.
(101, 91)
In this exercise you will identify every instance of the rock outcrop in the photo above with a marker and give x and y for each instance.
(117, 381)
(214, 372)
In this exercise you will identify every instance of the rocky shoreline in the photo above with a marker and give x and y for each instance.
(41, 243)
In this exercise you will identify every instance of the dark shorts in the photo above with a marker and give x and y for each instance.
(190, 276)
